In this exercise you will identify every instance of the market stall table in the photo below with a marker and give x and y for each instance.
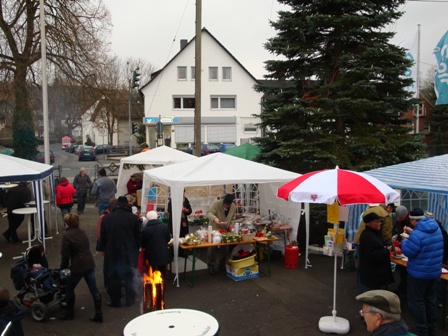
(194, 249)
(45, 202)
(29, 212)
(443, 276)
(184, 322)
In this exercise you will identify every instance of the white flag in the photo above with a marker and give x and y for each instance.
(411, 45)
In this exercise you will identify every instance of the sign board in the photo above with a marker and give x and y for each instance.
(164, 119)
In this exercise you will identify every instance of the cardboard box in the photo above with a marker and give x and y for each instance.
(243, 273)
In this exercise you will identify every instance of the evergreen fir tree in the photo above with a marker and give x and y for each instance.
(345, 94)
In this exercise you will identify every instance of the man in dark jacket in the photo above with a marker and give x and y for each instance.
(121, 240)
(82, 184)
(424, 249)
(155, 238)
(15, 199)
(382, 313)
(374, 260)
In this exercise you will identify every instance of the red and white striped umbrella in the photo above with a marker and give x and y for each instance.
(344, 186)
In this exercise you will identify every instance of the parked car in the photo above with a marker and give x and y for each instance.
(103, 149)
(205, 149)
(40, 156)
(87, 153)
(225, 146)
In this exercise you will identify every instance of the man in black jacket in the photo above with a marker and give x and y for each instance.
(15, 199)
(374, 260)
(121, 239)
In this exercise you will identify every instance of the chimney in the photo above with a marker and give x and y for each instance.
(183, 43)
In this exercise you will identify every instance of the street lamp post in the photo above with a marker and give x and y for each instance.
(134, 82)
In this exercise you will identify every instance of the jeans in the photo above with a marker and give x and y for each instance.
(422, 302)
(65, 210)
(89, 277)
(102, 206)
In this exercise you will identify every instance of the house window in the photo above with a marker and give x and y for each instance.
(223, 102)
(250, 128)
(181, 73)
(213, 73)
(183, 103)
(193, 73)
(226, 73)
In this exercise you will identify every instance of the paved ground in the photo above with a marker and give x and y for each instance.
(290, 302)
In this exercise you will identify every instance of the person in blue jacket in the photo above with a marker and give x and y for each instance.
(424, 249)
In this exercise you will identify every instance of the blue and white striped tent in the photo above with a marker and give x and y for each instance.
(426, 175)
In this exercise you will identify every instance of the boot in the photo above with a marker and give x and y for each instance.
(69, 312)
(98, 313)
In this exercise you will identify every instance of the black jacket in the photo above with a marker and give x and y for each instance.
(121, 238)
(155, 238)
(374, 260)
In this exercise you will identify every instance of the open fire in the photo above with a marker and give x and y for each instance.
(153, 291)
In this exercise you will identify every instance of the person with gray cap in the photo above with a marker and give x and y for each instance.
(424, 249)
(382, 313)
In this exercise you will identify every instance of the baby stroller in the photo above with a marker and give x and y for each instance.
(39, 286)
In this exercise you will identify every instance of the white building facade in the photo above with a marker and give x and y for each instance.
(228, 99)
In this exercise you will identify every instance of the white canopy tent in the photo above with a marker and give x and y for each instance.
(14, 169)
(222, 169)
(157, 157)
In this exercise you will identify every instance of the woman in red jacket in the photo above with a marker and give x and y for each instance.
(64, 196)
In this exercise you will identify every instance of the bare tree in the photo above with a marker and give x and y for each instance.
(76, 33)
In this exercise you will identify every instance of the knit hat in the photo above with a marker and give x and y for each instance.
(151, 215)
(228, 199)
(381, 299)
(416, 213)
(370, 217)
(401, 211)
(429, 214)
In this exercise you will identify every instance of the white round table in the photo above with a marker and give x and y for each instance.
(27, 211)
(184, 322)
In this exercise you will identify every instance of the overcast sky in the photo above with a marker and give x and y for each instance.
(152, 29)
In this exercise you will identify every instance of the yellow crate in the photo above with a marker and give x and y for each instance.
(245, 262)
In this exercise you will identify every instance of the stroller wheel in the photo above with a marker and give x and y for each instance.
(39, 311)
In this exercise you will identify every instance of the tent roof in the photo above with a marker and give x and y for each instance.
(13, 169)
(428, 175)
(245, 151)
(158, 156)
(218, 168)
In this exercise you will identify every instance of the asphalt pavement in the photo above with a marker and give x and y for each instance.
(289, 302)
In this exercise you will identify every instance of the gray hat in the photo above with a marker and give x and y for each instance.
(381, 299)
(401, 211)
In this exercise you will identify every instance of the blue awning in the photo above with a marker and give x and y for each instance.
(427, 175)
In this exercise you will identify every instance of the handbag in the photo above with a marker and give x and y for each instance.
(99, 246)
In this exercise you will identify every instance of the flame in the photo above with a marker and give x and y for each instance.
(155, 281)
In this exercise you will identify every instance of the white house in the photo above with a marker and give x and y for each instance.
(228, 99)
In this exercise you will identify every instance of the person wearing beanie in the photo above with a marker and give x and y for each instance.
(374, 261)
(121, 240)
(386, 223)
(424, 249)
(155, 239)
(222, 211)
(382, 313)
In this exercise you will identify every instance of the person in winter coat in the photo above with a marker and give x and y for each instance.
(382, 313)
(155, 238)
(10, 312)
(121, 239)
(374, 261)
(104, 189)
(64, 196)
(82, 183)
(424, 249)
(15, 199)
(76, 255)
(186, 211)
(133, 185)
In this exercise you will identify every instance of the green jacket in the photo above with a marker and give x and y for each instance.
(217, 210)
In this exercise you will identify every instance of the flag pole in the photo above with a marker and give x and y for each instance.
(417, 91)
